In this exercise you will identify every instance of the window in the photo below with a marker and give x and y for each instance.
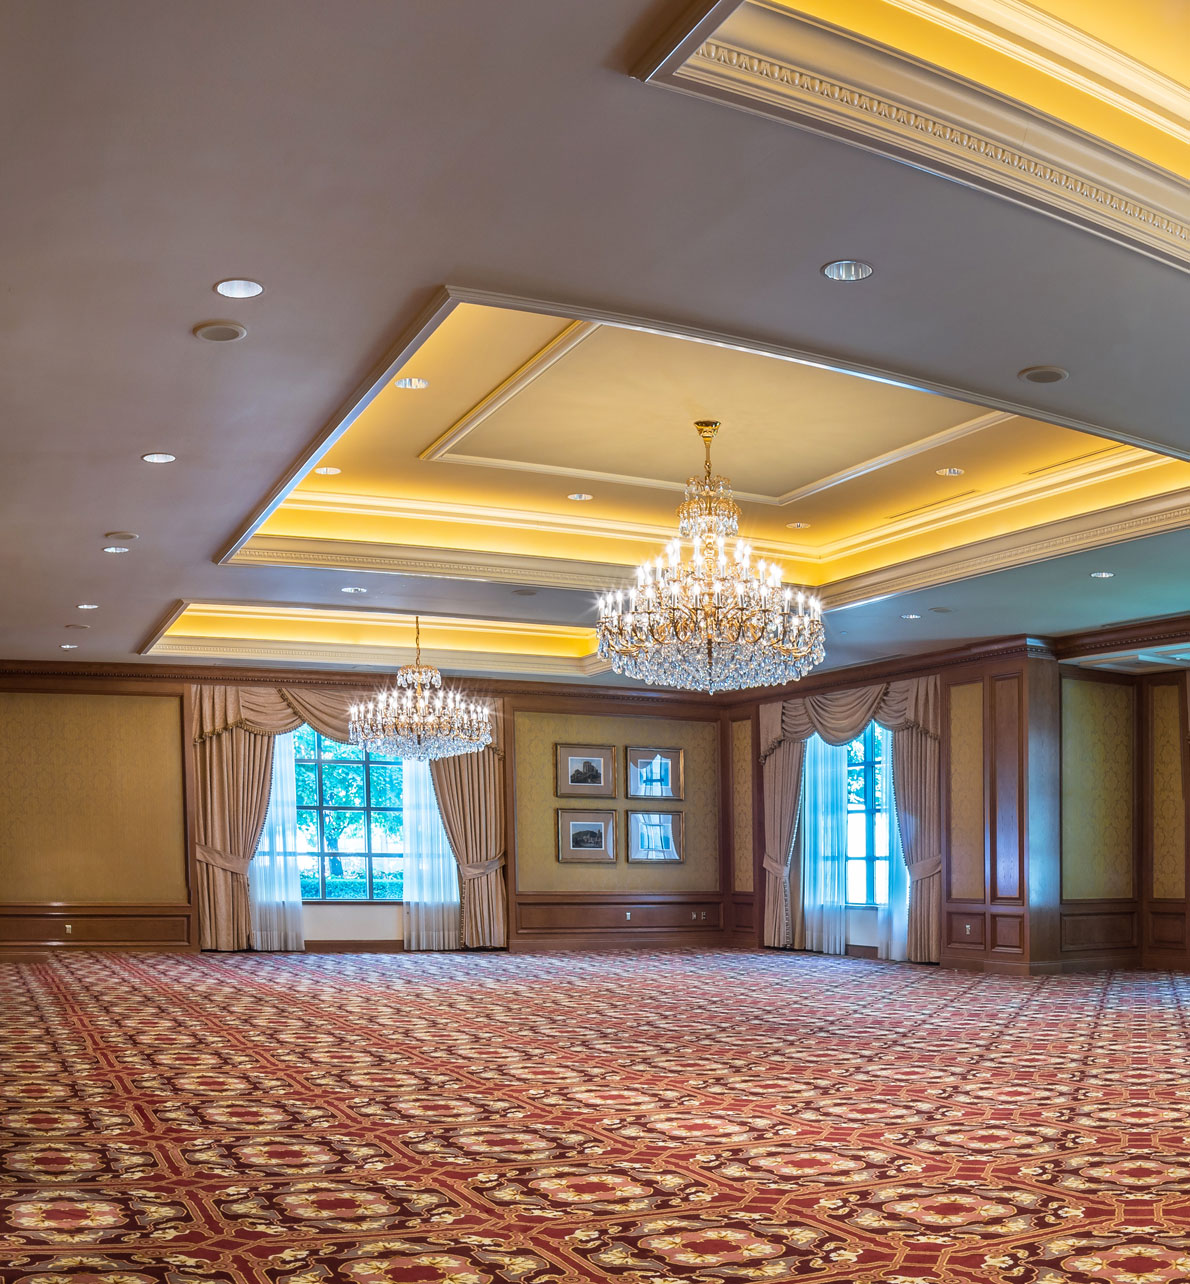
(867, 819)
(350, 840)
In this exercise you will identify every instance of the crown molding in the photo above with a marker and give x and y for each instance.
(770, 61)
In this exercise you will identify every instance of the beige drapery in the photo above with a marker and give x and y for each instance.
(911, 710)
(470, 791)
(233, 759)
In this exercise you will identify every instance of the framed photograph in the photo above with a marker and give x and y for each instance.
(585, 771)
(586, 836)
(655, 835)
(655, 773)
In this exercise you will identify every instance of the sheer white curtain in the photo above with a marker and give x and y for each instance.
(274, 884)
(431, 895)
(892, 921)
(824, 846)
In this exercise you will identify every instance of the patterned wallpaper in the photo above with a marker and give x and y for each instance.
(966, 792)
(1098, 763)
(743, 757)
(1169, 801)
(91, 804)
(538, 869)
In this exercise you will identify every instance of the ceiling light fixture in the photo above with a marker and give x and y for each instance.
(418, 719)
(847, 270)
(115, 548)
(524, 592)
(327, 471)
(159, 457)
(411, 383)
(1043, 374)
(352, 588)
(88, 606)
(710, 622)
(1103, 575)
(220, 331)
(238, 287)
(797, 526)
(949, 472)
(120, 535)
(78, 626)
(580, 497)
(68, 646)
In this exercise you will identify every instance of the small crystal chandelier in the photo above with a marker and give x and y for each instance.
(712, 622)
(418, 719)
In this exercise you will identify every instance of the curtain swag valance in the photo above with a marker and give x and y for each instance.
(839, 716)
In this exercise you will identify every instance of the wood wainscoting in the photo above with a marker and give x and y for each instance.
(597, 920)
(97, 926)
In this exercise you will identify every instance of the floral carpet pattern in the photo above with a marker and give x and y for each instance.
(719, 1117)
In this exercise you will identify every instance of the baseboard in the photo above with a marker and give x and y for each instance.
(355, 947)
(1118, 960)
(11, 954)
(642, 939)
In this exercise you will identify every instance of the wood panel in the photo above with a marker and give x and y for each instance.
(1007, 857)
(163, 927)
(621, 915)
(1098, 930)
(965, 793)
(1008, 933)
(964, 930)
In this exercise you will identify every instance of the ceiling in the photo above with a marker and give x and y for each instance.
(358, 167)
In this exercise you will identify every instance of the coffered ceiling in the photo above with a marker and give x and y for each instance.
(622, 261)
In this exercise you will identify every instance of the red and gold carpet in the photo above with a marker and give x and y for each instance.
(715, 1117)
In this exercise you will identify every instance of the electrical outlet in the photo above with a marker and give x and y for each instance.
(69, 929)
(967, 928)
(628, 914)
(693, 916)
(704, 913)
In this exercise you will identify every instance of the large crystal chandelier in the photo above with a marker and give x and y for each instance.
(417, 719)
(710, 621)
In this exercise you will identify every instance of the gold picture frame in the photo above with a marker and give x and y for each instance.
(584, 771)
(586, 837)
(656, 837)
(655, 773)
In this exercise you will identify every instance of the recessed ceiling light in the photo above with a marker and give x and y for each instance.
(1043, 374)
(580, 497)
(116, 548)
(68, 646)
(327, 471)
(950, 472)
(239, 287)
(797, 526)
(159, 457)
(524, 592)
(911, 615)
(121, 535)
(942, 610)
(88, 606)
(411, 382)
(847, 270)
(352, 588)
(1102, 575)
(78, 626)
(220, 331)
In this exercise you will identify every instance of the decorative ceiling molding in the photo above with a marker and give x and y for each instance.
(323, 654)
(769, 60)
(1150, 516)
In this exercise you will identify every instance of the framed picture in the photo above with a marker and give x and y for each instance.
(586, 836)
(655, 773)
(655, 835)
(585, 771)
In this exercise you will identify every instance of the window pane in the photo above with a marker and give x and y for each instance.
(857, 882)
(386, 831)
(382, 757)
(307, 831)
(857, 834)
(305, 742)
(855, 786)
(333, 749)
(385, 783)
(855, 752)
(343, 831)
(346, 878)
(307, 785)
(342, 786)
(308, 870)
(387, 878)
(878, 734)
(880, 869)
(880, 833)
(878, 782)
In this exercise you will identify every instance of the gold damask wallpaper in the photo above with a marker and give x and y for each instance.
(1169, 801)
(742, 765)
(1098, 764)
(91, 805)
(966, 792)
(538, 869)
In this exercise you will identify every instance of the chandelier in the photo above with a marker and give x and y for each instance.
(418, 719)
(711, 622)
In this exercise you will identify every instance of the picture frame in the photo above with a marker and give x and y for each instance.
(586, 837)
(656, 837)
(655, 773)
(584, 771)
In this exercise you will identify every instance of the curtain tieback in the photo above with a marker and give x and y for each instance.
(925, 868)
(479, 868)
(220, 859)
(777, 868)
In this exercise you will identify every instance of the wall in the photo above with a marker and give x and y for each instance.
(93, 818)
(1164, 756)
(340, 926)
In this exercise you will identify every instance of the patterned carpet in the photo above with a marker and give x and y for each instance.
(719, 1117)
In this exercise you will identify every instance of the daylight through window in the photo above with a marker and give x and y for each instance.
(867, 819)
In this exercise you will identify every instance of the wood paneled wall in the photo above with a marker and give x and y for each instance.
(1165, 937)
